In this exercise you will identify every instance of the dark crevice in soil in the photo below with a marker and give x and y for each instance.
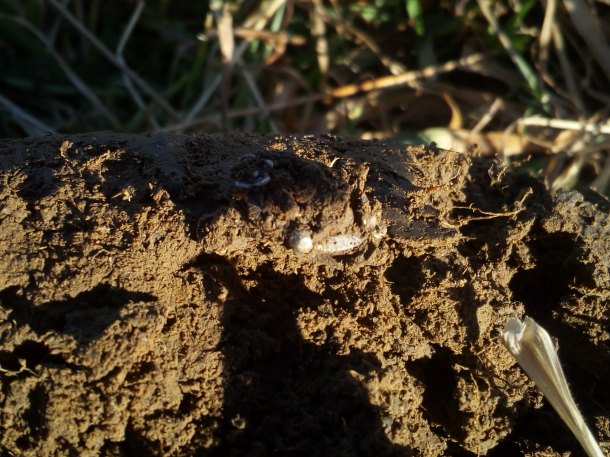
(585, 364)
(493, 189)
(406, 278)
(300, 389)
(98, 307)
(438, 377)
(139, 371)
(280, 289)
(337, 296)
(188, 404)
(35, 418)
(29, 354)
(39, 183)
(493, 207)
(484, 241)
(558, 270)
(466, 298)
(601, 202)
(455, 450)
(538, 428)
(136, 443)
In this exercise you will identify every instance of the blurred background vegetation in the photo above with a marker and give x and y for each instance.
(526, 80)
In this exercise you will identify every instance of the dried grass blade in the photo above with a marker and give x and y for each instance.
(226, 41)
(530, 76)
(319, 33)
(30, 125)
(255, 22)
(590, 31)
(531, 346)
(112, 58)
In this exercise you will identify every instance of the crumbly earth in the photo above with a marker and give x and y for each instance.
(272, 295)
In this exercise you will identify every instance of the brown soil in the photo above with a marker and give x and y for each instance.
(158, 297)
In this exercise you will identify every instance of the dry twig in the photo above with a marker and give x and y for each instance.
(112, 58)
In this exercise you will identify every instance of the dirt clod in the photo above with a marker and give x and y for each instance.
(267, 295)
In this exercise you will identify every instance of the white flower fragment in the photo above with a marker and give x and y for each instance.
(531, 346)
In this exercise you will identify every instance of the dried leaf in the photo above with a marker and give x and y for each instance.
(531, 346)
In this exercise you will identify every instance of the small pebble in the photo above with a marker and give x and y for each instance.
(300, 241)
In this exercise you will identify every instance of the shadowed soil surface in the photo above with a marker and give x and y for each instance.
(268, 295)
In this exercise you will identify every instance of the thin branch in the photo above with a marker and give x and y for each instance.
(589, 29)
(349, 90)
(80, 85)
(257, 95)
(318, 32)
(488, 116)
(113, 59)
(528, 73)
(567, 68)
(226, 42)
(344, 27)
(135, 95)
(26, 121)
(133, 20)
(255, 22)
(603, 179)
(565, 124)
(407, 77)
(546, 32)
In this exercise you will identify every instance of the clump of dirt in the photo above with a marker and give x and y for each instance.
(258, 295)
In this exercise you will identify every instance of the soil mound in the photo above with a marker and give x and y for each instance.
(266, 295)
